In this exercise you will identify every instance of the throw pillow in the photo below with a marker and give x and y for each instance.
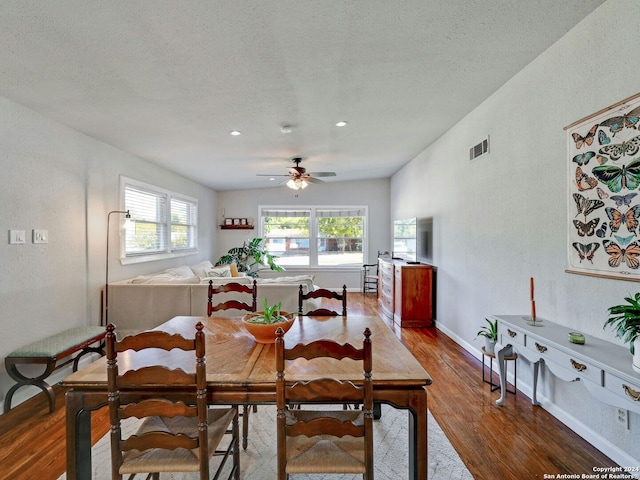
(232, 267)
(219, 272)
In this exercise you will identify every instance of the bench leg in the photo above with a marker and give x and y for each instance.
(97, 349)
(35, 381)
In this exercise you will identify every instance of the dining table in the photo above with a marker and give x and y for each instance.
(242, 371)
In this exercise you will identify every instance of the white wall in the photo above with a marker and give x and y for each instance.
(372, 193)
(503, 218)
(56, 179)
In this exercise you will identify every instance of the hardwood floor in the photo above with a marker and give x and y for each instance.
(517, 441)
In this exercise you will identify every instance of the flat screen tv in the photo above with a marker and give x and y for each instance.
(424, 240)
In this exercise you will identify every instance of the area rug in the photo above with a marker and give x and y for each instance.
(391, 459)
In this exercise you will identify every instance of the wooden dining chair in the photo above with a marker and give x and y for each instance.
(323, 439)
(178, 432)
(251, 290)
(237, 305)
(322, 293)
(370, 278)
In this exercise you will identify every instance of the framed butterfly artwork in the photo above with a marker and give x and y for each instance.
(604, 192)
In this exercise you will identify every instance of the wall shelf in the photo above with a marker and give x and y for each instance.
(236, 227)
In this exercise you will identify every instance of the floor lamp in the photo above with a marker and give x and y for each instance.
(106, 282)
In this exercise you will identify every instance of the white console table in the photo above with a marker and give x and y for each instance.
(604, 368)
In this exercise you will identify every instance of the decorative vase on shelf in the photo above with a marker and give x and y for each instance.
(489, 345)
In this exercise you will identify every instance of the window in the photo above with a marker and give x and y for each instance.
(163, 223)
(315, 236)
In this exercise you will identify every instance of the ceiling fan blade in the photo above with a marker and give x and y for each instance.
(266, 175)
(313, 180)
(322, 174)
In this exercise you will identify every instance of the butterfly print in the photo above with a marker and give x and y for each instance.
(586, 251)
(618, 254)
(586, 229)
(601, 193)
(583, 181)
(601, 159)
(629, 218)
(617, 123)
(585, 206)
(617, 178)
(587, 139)
(603, 139)
(623, 199)
(583, 158)
(617, 150)
(602, 231)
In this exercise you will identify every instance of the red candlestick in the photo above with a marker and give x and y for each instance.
(531, 281)
(533, 310)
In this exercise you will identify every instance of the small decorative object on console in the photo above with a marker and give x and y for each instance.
(577, 338)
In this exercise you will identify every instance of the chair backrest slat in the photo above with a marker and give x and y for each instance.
(319, 426)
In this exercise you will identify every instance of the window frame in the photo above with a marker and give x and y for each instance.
(314, 232)
(169, 251)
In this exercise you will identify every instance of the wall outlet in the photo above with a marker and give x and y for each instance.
(40, 236)
(622, 415)
(16, 237)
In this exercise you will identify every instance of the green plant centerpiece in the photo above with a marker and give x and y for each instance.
(490, 334)
(624, 319)
(263, 325)
(250, 258)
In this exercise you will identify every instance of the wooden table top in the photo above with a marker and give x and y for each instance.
(233, 357)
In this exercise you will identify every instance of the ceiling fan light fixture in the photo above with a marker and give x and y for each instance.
(297, 184)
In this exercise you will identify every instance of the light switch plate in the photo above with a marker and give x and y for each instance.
(40, 236)
(16, 237)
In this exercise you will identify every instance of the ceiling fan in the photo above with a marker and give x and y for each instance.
(299, 177)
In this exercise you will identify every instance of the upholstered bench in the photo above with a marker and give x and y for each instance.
(48, 352)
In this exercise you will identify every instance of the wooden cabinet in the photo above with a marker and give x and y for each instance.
(406, 292)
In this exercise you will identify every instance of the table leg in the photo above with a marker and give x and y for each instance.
(500, 355)
(536, 368)
(78, 407)
(418, 446)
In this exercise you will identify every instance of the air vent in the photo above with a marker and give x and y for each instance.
(479, 149)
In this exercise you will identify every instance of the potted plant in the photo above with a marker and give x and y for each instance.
(490, 335)
(263, 324)
(250, 258)
(625, 320)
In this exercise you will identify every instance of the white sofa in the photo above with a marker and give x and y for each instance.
(145, 302)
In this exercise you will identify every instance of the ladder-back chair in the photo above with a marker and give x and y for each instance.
(322, 439)
(322, 293)
(251, 292)
(249, 305)
(178, 432)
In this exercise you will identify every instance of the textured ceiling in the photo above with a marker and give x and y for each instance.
(168, 80)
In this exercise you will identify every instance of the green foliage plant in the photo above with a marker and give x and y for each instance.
(490, 332)
(624, 319)
(270, 315)
(250, 258)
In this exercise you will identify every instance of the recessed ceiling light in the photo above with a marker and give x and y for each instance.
(286, 129)
(341, 123)
(235, 133)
